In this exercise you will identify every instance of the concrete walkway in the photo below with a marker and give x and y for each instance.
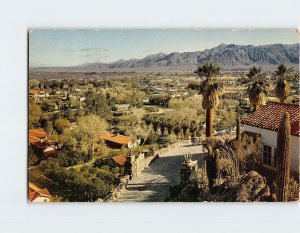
(154, 181)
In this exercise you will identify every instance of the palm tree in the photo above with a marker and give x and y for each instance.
(210, 90)
(193, 128)
(155, 124)
(162, 125)
(176, 129)
(257, 88)
(255, 72)
(184, 126)
(282, 87)
(148, 120)
(169, 125)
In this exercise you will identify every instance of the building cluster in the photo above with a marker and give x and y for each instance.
(38, 140)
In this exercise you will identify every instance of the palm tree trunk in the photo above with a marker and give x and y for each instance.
(209, 122)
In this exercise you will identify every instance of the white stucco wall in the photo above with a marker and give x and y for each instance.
(295, 153)
(41, 199)
(269, 137)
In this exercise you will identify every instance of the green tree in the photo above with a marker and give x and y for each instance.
(48, 106)
(148, 120)
(257, 87)
(162, 125)
(193, 128)
(70, 115)
(176, 129)
(61, 124)
(210, 89)
(35, 113)
(155, 124)
(96, 103)
(69, 140)
(88, 127)
(282, 86)
(185, 125)
(169, 125)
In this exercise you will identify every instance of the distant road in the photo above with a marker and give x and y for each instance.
(154, 181)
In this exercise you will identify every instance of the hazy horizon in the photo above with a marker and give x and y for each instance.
(63, 48)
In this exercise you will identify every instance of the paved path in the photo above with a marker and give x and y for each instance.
(153, 183)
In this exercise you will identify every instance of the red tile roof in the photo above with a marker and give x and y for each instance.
(33, 91)
(34, 140)
(120, 159)
(119, 139)
(33, 195)
(270, 115)
(35, 192)
(35, 135)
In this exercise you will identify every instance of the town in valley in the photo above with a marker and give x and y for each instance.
(217, 125)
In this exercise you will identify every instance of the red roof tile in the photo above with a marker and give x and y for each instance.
(120, 159)
(33, 91)
(119, 139)
(270, 115)
(34, 140)
(37, 133)
(33, 195)
(35, 192)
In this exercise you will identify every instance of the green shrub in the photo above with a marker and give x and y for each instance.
(71, 158)
(80, 185)
(107, 176)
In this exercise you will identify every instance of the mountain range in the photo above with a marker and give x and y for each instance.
(230, 56)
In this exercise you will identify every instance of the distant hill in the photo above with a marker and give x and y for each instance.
(229, 56)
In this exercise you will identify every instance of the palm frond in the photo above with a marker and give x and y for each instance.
(208, 70)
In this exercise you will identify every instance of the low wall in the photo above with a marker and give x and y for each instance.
(140, 164)
(117, 191)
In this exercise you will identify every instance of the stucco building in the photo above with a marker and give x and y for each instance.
(265, 122)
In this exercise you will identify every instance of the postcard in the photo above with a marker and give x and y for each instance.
(148, 115)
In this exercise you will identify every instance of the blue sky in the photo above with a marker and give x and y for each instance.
(74, 47)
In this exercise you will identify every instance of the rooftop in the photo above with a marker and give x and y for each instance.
(35, 135)
(119, 139)
(120, 159)
(269, 117)
(35, 192)
(33, 91)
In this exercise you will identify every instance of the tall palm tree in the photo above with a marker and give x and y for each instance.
(162, 125)
(255, 72)
(184, 126)
(148, 120)
(177, 129)
(257, 88)
(169, 125)
(282, 86)
(210, 90)
(155, 124)
(193, 128)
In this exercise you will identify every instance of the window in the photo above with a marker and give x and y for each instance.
(267, 155)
